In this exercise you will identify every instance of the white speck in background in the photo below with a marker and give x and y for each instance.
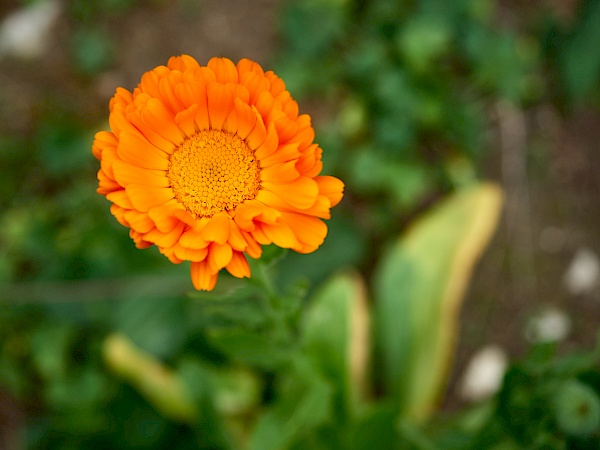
(549, 325)
(24, 33)
(583, 274)
(484, 373)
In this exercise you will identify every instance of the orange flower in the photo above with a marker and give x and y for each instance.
(209, 163)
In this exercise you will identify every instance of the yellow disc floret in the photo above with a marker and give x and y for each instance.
(213, 171)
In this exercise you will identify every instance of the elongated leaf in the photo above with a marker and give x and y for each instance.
(419, 286)
(155, 382)
(336, 337)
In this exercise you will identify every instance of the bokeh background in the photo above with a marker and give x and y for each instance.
(411, 99)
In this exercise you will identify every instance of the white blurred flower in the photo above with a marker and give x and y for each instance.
(550, 325)
(24, 33)
(583, 274)
(484, 373)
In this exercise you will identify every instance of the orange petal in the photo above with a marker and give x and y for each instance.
(238, 266)
(236, 239)
(140, 222)
(121, 99)
(283, 154)
(268, 215)
(269, 145)
(185, 120)
(165, 239)
(273, 201)
(231, 124)
(103, 139)
(120, 198)
(331, 187)
(256, 84)
(194, 93)
(170, 254)
(202, 279)
(280, 173)
(217, 228)
(126, 173)
(144, 198)
(183, 62)
(281, 235)
(139, 240)
(265, 105)
(246, 65)
(309, 231)
(135, 149)
(244, 214)
(301, 193)
(150, 81)
(218, 256)
(224, 70)
(320, 209)
(160, 120)
(288, 104)
(305, 136)
(205, 75)
(277, 84)
(220, 104)
(253, 250)
(193, 239)
(240, 92)
(119, 214)
(257, 135)
(246, 118)
(309, 164)
(109, 156)
(189, 254)
(286, 129)
(260, 235)
(163, 217)
(166, 87)
(106, 185)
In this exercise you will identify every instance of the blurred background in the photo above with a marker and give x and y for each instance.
(411, 100)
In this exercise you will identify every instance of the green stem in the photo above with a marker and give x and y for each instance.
(282, 334)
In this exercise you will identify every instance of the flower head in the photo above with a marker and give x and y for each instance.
(209, 163)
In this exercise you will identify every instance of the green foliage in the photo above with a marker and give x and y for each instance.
(546, 402)
(574, 52)
(412, 79)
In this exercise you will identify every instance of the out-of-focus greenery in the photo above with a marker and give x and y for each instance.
(100, 347)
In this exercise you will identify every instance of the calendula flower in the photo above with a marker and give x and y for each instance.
(208, 163)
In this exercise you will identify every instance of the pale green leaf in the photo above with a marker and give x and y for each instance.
(336, 337)
(419, 286)
(158, 384)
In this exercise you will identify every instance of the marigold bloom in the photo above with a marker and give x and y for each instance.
(209, 163)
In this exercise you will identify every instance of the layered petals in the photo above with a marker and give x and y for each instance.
(208, 163)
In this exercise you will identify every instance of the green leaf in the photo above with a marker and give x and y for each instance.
(336, 337)
(376, 429)
(303, 404)
(579, 59)
(247, 347)
(424, 39)
(419, 286)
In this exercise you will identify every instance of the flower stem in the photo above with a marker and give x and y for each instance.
(282, 333)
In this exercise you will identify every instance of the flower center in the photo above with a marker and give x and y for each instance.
(213, 171)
